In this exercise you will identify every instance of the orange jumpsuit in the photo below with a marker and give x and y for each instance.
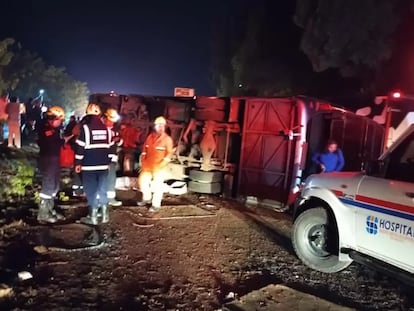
(156, 154)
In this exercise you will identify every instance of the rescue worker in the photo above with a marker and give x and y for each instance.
(156, 154)
(129, 154)
(14, 112)
(92, 159)
(71, 133)
(111, 117)
(50, 142)
(77, 187)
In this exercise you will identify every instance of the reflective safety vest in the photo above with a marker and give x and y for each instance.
(157, 151)
(93, 146)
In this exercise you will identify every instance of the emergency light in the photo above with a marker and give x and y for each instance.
(396, 95)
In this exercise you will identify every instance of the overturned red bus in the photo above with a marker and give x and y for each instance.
(249, 147)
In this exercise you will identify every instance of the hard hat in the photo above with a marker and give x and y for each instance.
(112, 115)
(55, 112)
(93, 109)
(160, 120)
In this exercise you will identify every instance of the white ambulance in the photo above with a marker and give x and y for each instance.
(367, 217)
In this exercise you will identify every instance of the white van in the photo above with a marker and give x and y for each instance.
(367, 217)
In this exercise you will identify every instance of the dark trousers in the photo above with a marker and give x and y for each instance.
(95, 183)
(77, 181)
(128, 158)
(49, 168)
(1, 131)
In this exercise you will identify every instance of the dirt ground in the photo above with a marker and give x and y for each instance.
(170, 262)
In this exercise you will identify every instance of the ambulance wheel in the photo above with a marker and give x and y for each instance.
(206, 177)
(210, 115)
(315, 241)
(202, 187)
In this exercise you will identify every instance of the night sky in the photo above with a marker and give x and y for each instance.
(142, 47)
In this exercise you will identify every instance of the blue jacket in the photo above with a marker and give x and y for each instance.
(93, 146)
(333, 162)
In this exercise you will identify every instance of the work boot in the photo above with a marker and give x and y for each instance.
(100, 211)
(53, 212)
(44, 215)
(143, 203)
(105, 214)
(92, 218)
(58, 216)
(154, 209)
(78, 192)
(114, 202)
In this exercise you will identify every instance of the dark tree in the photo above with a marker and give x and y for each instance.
(349, 35)
(227, 34)
(30, 73)
(340, 50)
(257, 50)
(6, 56)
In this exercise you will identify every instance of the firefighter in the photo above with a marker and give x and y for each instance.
(111, 117)
(50, 141)
(92, 159)
(156, 154)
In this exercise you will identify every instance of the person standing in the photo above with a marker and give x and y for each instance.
(69, 147)
(111, 117)
(156, 154)
(13, 111)
(331, 160)
(28, 110)
(49, 142)
(77, 187)
(92, 158)
(28, 133)
(129, 153)
(68, 131)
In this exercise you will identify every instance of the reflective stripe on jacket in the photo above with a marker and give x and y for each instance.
(93, 146)
(157, 151)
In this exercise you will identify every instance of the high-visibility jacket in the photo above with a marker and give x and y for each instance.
(157, 151)
(93, 146)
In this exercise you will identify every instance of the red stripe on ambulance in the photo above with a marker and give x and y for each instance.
(338, 193)
(386, 204)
